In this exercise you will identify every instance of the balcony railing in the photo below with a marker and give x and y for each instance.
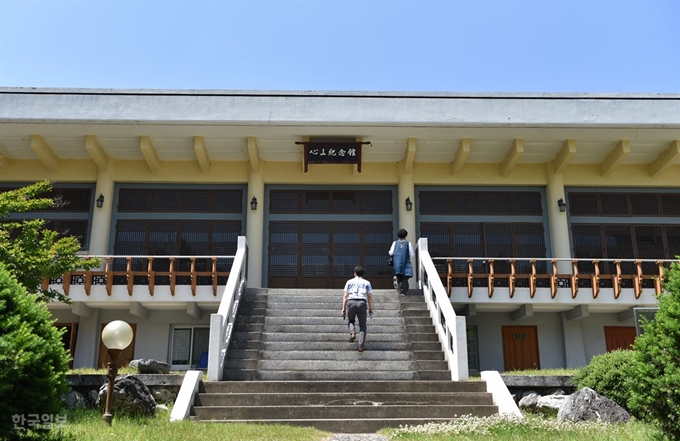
(534, 273)
(151, 271)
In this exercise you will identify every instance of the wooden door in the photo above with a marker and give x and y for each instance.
(619, 337)
(520, 348)
(125, 357)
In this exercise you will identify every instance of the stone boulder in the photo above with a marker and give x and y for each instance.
(150, 366)
(75, 400)
(547, 405)
(587, 405)
(130, 397)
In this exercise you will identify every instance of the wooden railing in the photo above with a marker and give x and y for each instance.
(133, 271)
(552, 276)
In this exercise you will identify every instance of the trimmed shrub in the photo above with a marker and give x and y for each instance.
(609, 375)
(655, 391)
(33, 361)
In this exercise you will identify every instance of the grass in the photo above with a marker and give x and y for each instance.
(542, 372)
(88, 425)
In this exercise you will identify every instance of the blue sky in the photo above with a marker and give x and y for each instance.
(361, 45)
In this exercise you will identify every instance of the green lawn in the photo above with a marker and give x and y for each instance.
(88, 425)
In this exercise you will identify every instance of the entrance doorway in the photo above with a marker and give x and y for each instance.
(520, 348)
(323, 254)
(619, 337)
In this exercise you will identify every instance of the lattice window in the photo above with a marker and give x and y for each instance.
(330, 202)
(164, 200)
(485, 203)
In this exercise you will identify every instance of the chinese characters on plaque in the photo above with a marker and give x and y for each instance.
(332, 152)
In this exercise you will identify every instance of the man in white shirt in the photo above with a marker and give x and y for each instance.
(356, 300)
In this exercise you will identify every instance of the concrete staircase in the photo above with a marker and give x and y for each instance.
(290, 362)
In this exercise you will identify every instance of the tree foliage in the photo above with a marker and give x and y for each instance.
(655, 389)
(33, 361)
(608, 374)
(31, 251)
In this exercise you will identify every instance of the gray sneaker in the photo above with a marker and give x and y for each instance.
(395, 282)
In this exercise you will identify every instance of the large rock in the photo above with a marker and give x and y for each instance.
(547, 405)
(588, 405)
(150, 366)
(75, 400)
(130, 397)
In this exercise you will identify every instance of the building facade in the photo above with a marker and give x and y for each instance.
(508, 189)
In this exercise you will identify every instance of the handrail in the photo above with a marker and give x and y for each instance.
(450, 328)
(575, 273)
(222, 323)
(147, 271)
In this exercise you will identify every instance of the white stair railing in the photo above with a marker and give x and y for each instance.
(450, 328)
(222, 323)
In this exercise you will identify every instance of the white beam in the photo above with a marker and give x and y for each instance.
(194, 310)
(666, 159)
(628, 314)
(202, 154)
(253, 154)
(615, 157)
(45, 153)
(149, 153)
(564, 156)
(139, 311)
(470, 310)
(410, 155)
(96, 152)
(524, 311)
(512, 157)
(81, 309)
(578, 312)
(461, 156)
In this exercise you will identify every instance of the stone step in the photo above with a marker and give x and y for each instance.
(336, 336)
(376, 320)
(336, 312)
(365, 425)
(341, 386)
(348, 353)
(335, 300)
(344, 398)
(363, 363)
(340, 327)
(350, 412)
(337, 307)
(428, 355)
(311, 376)
(339, 345)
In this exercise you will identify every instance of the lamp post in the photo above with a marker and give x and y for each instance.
(116, 336)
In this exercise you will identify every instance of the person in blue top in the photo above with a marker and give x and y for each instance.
(356, 300)
(401, 251)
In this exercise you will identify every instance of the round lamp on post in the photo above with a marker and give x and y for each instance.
(116, 336)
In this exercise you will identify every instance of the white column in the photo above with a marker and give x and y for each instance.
(407, 219)
(87, 348)
(559, 228)
(101, 217)
(255, 228)
(574, 344)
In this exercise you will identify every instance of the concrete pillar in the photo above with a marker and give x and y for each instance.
(255, 228)
(101, 217)
(87, 346)
(407, 219)
(559, 227)
(574, 345)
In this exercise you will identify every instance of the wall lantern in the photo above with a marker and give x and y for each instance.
(100, 201)
(562, 205)
(253, 203)
(409, 204)
(116, 336)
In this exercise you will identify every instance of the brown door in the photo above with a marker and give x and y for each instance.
(125, 357)
(68, 338)
(619, 337)
(520, 348)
